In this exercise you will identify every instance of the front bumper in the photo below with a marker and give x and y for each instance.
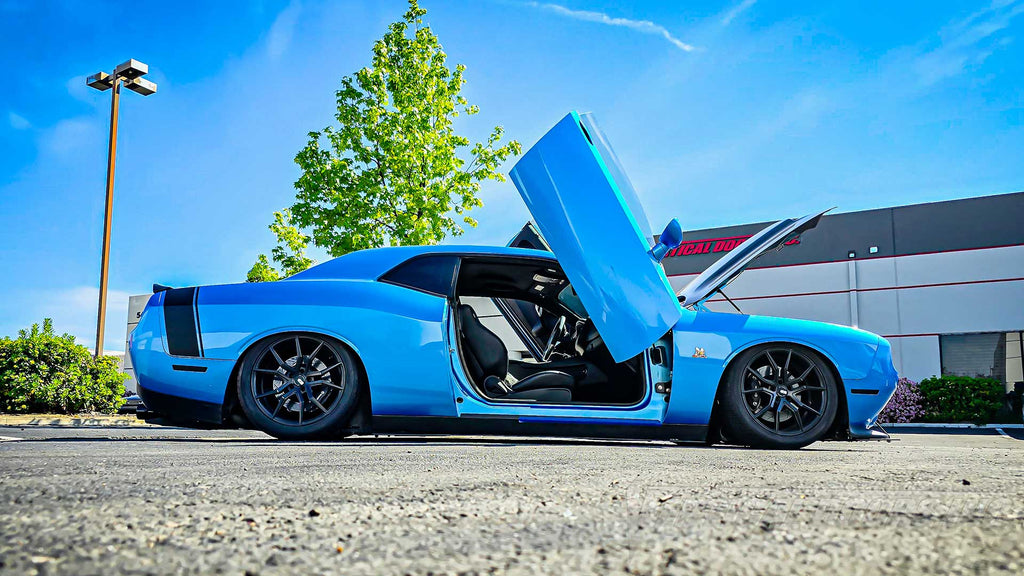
(866, 397)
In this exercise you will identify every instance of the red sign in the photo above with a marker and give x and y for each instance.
(710, 245)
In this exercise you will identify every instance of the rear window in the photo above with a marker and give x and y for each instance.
(431, 274)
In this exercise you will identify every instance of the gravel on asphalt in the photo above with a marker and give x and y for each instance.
(153, 501)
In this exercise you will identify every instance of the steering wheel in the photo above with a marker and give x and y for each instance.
(558, 329)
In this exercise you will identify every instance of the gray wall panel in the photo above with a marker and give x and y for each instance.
(878, 312)
(918, 357)
(995, 307)
(959, 224)
(967, 266)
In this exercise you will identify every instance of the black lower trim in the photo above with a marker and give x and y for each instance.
(865, 391)
(180, 410)
(511, 426)
(187, 368)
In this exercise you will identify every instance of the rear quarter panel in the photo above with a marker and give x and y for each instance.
(396, 332)
(154, 366)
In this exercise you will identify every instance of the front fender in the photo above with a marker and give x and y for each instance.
(721, 337)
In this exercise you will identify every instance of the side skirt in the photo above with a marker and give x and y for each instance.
(441, 425)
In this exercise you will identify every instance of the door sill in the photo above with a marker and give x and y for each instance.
(515, 426)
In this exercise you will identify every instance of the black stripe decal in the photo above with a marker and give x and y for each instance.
(199, 328)
(180, 322)
(187, 368)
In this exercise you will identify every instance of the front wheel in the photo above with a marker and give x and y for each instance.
(299, 386)
(778, 396)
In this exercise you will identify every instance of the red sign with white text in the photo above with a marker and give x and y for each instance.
(711, 245)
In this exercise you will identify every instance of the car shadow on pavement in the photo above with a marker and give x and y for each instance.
(367, 441)
(389, 441)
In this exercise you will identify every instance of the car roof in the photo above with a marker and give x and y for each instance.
(370, 264)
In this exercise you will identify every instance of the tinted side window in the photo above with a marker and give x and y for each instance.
(433, 274)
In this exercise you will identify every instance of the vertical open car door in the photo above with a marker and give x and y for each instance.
(590, 216)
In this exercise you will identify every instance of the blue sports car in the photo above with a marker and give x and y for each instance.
(572, 330)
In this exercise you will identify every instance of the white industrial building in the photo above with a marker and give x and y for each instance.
(943, 281)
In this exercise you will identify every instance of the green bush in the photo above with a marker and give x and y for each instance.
(43, 372)
(961, 399)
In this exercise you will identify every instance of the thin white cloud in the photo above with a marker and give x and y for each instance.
(801, 111)
(967, 42)
(68, 136)
(78, 90)
(282, 31)
(736, 11)
(644, 26)
(17, 121)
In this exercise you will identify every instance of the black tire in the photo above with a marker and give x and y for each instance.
(299, 386)
(778, 396)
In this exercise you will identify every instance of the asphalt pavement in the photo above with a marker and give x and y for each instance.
(166, 501)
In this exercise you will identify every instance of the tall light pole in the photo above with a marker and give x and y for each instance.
(130, 74)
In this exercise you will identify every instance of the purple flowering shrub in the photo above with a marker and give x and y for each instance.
(905, 405)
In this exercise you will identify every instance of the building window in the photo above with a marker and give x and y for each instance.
(991, 354)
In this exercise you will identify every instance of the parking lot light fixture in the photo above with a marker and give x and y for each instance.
(130, 74)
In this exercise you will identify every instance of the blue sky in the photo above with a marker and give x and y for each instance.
(722, 112)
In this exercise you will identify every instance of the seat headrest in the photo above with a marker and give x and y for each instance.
(466, 312)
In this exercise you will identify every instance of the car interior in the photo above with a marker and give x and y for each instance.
(557, 354)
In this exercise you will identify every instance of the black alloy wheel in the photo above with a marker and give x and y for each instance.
(299, 386)
(778, 396)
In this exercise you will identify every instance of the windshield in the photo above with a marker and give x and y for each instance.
(568, 298)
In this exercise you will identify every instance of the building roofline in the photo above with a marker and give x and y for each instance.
(987, 197)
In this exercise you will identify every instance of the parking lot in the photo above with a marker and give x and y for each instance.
(135, 500)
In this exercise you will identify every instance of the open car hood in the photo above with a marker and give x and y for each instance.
(728, 267)
(589, 214)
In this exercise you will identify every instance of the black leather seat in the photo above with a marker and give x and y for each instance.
(487, 361)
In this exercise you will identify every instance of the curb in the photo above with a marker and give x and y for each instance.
(128, 421)
(73, 421)
(1007, 430)
(953, 426)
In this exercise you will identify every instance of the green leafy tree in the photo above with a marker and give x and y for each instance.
(392, 171)
(262, 271)
(41, 371)
(289, 254)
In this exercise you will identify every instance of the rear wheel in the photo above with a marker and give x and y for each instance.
(778, 396)
(299, 386)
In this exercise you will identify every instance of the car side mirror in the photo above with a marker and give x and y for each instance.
(667, 241)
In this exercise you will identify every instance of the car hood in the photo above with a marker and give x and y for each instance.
(728, 267)
(590, 215)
